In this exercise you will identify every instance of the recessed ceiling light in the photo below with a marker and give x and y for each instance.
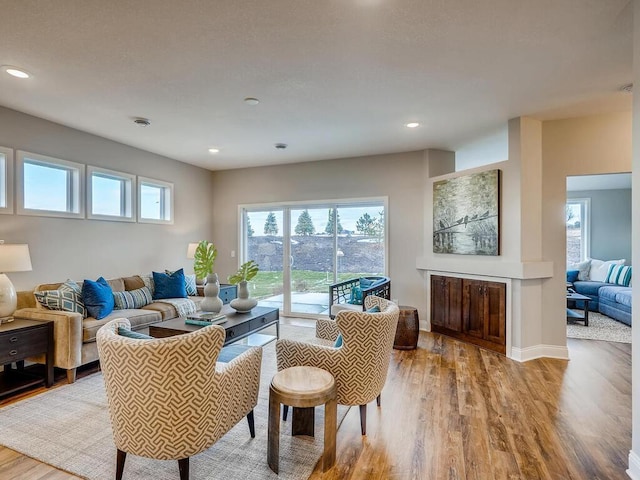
(251, 101)
(412, 125)
(142, 122)
(214, 150)
(16, 72)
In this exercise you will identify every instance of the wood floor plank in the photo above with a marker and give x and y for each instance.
(453, 411)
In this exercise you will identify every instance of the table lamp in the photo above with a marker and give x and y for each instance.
(191, 250)
(13, 258)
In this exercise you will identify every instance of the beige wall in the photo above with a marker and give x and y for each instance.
(634, 456)
(579, 146)
(75, 248)
(397, 176)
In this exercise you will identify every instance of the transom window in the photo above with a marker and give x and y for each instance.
(49, 186)
(155, 201)
(110, 195)
(6, 180)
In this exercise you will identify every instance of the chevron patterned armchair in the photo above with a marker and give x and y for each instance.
(360, 365)
(168, 399)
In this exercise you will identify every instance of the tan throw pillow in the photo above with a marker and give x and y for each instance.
(133, 283)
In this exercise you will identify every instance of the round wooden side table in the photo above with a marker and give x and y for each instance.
(408, 329)
(302, 388)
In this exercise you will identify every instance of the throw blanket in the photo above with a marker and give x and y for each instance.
(184, 306)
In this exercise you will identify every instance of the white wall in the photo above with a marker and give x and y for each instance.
(489, 148)
(397, 176)
(78, 248)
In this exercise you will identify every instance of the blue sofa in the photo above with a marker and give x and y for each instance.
(609, 299)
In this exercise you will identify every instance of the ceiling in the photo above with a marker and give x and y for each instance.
(335, 78)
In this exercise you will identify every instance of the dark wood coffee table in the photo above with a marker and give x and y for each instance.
(237, 326)
(574, 316)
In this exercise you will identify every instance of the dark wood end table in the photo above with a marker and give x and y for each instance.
(574, 316)
(21, 339)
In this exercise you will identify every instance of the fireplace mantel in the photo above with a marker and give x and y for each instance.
(488, 267)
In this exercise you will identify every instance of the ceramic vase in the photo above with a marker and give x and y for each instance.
(211, 301)
(243, 303)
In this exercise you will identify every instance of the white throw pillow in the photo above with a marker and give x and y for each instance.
(600, 268)
(583, 269)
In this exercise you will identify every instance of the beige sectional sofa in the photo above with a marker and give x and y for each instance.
(75, 336)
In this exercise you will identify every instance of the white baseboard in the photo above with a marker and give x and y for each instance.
(634, 465)
(539, 351)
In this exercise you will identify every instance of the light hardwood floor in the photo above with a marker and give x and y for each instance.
(454, 411)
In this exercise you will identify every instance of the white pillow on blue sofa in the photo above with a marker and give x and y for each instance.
(600, 269)
(583, 269)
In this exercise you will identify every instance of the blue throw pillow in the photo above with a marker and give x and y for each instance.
(338, 343)
(125, 332)
(572, 275)
(97, 298)
(356, 296)
(375, 309)
(169, 286)
(366, 283)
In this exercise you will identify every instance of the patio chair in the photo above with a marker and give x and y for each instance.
(351, 294)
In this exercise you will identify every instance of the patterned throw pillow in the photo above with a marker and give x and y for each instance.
(67, 298)
(148, 282)
(190, 284)
(137, 298)
(619, 274)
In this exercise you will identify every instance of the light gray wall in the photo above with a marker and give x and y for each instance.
(79, 248)
(492, 147)
(610, 222)
(397, 176)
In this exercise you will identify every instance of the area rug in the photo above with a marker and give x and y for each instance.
(68, 427)
(600, 327)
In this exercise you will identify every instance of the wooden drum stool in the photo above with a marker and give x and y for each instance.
(302, 388)
(408, 329)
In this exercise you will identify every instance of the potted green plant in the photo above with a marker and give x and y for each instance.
(245, 273)
(204, 259)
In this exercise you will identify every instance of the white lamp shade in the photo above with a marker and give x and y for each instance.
(191, 250)
(14, 258)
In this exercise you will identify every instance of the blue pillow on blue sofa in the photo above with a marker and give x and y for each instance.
(572, 275)
(97, 298)
(169, 285)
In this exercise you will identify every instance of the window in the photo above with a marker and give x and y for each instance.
(49, 186)
(6, 180)
(577, 222)
(155, 201)
(302, 248)
(110, 195)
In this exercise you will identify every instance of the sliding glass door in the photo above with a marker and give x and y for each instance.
(302, 248)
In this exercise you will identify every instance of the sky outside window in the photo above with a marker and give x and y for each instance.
(106, 195)
(150, 198)
(45, 188)
(3, 180)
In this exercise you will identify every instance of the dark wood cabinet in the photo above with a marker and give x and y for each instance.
(470, 310)
(446, 300)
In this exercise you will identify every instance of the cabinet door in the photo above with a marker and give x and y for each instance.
(495, 317)
(473, 308)
(446, 302)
